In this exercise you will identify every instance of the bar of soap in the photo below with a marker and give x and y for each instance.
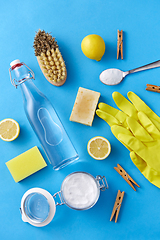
(26, 164)
(84, 107)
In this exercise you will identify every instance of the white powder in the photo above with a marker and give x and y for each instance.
(112, 76)
(80, 190)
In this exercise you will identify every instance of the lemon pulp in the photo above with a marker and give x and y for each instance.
(9, 129)
(99, 148)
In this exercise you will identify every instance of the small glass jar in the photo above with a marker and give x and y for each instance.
(79, 191)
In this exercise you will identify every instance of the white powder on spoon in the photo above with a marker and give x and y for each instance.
(112, 76)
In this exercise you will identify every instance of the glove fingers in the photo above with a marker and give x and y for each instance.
(123, 104)
(135, 144)
(138, 131)
(121, 116)
(148, 125)
(111, 120)
(157, 124)
(107, 108)
(151, 174)
(138, 161)
(117, 129)
(142, 106)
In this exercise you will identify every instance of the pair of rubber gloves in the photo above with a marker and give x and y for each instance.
(137, 127)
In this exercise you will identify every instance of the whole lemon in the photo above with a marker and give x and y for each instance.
(93, 47)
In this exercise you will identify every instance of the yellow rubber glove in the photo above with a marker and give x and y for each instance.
(114, 116)
(128, 124)
(145, 153)
(129, 109)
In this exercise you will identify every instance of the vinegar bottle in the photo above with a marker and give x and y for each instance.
(43, 118)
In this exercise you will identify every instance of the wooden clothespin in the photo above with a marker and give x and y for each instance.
(117, 205)
(126, 176)
(120, 44)
(153, 88)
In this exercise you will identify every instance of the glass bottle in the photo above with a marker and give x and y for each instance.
(43, 118)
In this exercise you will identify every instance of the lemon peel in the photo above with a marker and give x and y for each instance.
(93, 47)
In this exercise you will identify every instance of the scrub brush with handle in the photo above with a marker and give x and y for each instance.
(50, 58)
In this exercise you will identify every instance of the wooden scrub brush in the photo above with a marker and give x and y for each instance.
(50, 58)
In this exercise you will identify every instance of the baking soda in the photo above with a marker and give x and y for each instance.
(80, 190)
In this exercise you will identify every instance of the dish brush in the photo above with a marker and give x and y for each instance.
(50, 58)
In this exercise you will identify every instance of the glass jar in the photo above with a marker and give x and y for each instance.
(79, 191)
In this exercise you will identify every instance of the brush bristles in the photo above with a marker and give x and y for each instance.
(42, 42)
(50, 58)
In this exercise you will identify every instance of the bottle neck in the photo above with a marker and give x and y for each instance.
(29, 90)
(19, 73)
(23, 77)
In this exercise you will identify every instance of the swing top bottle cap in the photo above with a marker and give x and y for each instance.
(14, 62)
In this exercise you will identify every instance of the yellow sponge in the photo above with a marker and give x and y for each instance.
(26, 164)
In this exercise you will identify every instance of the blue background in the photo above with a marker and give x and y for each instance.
(70, 21)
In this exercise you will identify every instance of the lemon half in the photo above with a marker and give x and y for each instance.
(93, 47)
(9, 130)
(99, 148)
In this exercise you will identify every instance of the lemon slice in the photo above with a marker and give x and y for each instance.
(99, 148)
(9, 130)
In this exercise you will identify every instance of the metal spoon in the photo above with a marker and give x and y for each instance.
(114, 76)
